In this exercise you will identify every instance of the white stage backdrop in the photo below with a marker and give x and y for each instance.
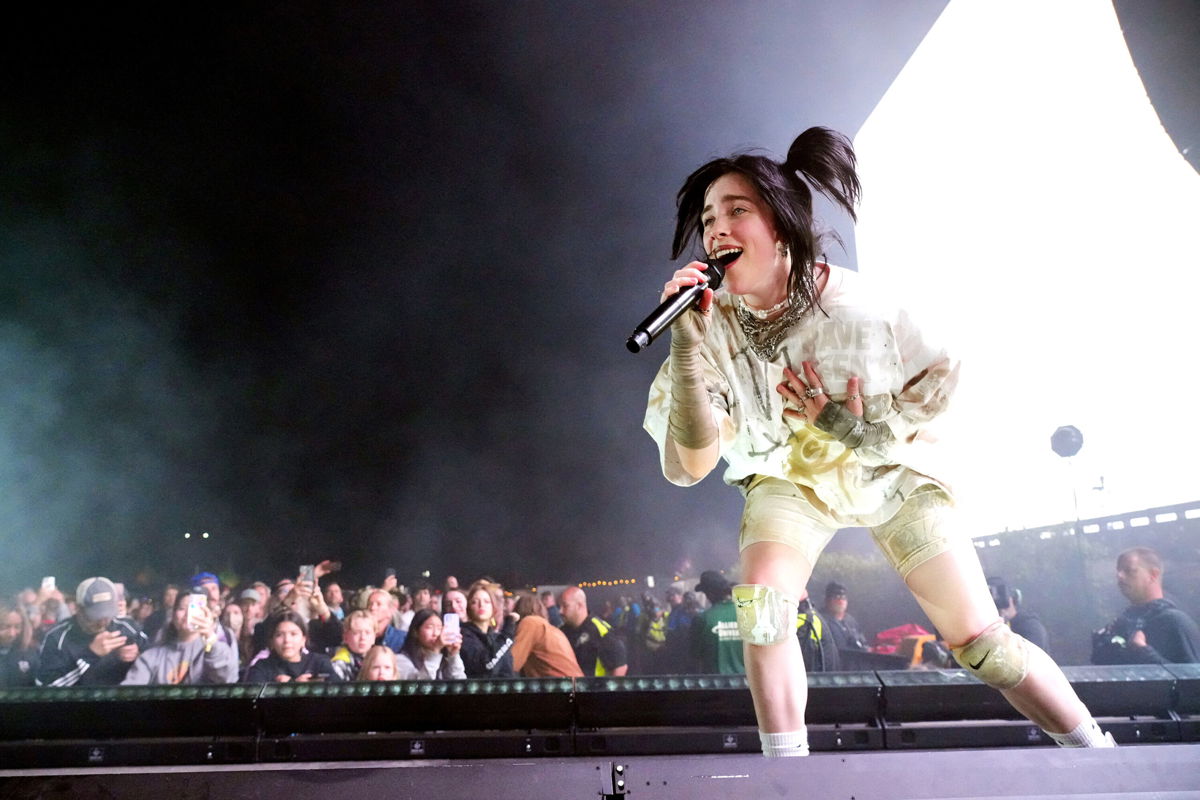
(1021, 192)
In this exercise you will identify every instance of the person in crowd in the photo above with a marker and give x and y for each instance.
(820, 393)
(817, 646)
(324, 629)
(335, 600)
(598, 650)
(233, 619)
(190, 653)
(650, 638)
(454, 601)
(18, 655)
(500, 607)
(553, 613)
(357, 638)
(450, 583)
(843, 626)
(679, 619)
(289, 660)
(541, 650)
(144, 607)
(209, 585)
(1022, 622)
(250, 601)
(379, 604)
(27, 598)
(380, 663)
(93, 647)
(716, 643)
(430, 652)
(422, 596)
(486, 652)
(1153, 630)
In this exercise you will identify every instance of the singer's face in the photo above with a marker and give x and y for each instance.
(736, 218)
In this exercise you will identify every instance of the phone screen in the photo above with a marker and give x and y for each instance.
(48, 583)
(308, 573)
(197, 606)
(451, 625)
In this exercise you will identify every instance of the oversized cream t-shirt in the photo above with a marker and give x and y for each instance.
(906, 382)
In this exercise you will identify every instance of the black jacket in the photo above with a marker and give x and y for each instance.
(67, 658)
(487, 655)
(18, 667)
(1171, 636)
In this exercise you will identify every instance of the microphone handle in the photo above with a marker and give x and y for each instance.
(667, 312)
(661, 318)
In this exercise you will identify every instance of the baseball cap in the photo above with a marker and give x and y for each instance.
(201, 578)
(97, 598)
(712, 582)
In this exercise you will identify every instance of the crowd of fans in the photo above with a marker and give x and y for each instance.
(311, 628)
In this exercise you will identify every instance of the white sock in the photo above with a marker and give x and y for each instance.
(1086, 734)
(792, 743)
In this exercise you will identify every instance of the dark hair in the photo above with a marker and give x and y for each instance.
(273, 622)
(821, 157)
(412, 642)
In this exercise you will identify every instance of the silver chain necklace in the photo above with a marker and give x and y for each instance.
(763, 335)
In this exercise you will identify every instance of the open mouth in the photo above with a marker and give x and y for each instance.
(726, 255)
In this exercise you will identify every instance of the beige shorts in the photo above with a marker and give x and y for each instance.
(780, 511)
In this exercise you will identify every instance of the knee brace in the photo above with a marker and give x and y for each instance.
(765, 615)
(998, 657)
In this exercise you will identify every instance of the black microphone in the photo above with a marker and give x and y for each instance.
(661, 318)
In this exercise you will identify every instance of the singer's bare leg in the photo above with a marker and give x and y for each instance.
(778, 683)
(952, 591)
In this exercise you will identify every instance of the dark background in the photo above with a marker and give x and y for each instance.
(353, 279)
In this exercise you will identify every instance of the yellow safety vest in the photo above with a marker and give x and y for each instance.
(603, 627)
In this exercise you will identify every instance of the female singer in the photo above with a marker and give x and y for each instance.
(819, 395)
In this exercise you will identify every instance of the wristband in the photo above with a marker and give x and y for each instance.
(852, 431)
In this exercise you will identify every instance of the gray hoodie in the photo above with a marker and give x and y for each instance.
(184, 662)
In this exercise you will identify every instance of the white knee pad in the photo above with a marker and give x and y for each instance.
(998, 657)
(765, 615)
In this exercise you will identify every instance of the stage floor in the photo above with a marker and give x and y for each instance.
(1162, 772)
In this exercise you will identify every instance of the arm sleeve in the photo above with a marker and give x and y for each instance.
(260, 672)
(452, 668)
(58, 668)
(405, 669)
(219, 664)
(523, 642)
(658, 411)
(474, 658)
(139, 674)
(612, 652)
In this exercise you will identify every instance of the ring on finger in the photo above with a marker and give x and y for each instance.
(854, 397)
(813, 391)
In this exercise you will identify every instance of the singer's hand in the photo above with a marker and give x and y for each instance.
(689, 329)
(795, 392)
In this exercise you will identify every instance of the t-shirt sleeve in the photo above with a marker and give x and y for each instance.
(612, 652)
(928, 376)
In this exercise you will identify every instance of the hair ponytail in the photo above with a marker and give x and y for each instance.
(825, 158)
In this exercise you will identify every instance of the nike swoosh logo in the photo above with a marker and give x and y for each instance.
(980, 663)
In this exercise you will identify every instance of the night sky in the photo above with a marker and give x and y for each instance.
(354, 279)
